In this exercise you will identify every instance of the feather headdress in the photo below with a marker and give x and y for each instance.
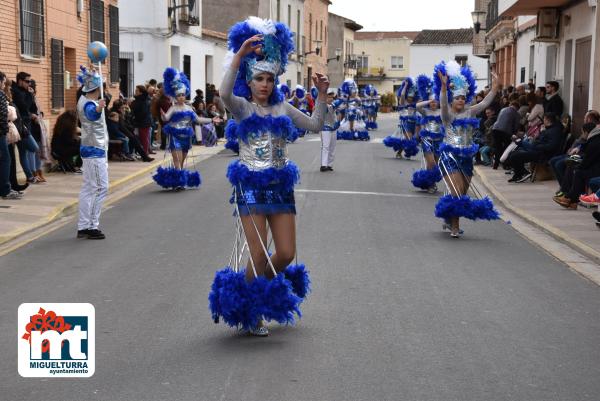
(461, 81)
(276, 45)
(175, 82)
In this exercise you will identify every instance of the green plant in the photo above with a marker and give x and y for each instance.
(388, 99)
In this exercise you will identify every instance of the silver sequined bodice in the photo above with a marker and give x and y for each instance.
(407, 111)
(433, 126)
(459, 136)
(93, 133)
(183, 123)
(263, 150)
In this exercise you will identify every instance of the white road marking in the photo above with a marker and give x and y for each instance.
(321, 191)
(313, 140)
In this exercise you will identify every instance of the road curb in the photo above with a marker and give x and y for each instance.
(551, 230)
(70, 207)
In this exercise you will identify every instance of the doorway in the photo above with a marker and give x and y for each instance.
(581, 80)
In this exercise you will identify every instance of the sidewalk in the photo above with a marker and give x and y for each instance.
(44, 203)
(533, 202)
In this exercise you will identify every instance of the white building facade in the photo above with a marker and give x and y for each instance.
(560, 47)
(151, 40)
(432, 46)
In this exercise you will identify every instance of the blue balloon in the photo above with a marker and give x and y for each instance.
(97, 52)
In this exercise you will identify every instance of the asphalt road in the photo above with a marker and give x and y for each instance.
(399, 310)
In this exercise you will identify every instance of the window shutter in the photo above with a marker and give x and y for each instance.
(113, 13)
(57, 69)
(97, 21)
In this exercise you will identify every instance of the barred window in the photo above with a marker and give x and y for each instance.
(97, 21)
(57, 69)
(113, 14)
(32, 28)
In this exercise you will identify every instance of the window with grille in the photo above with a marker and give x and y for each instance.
(32, 28)
(57, 70)
(113, 15)
(97, 21)
(397, 62)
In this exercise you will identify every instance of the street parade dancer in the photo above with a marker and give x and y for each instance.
(300, 101)
(372, 106)
(455, 87)
(93, 151)
(431, 135)
(352, 126)
(263, 180)
(328, 135)
(179, 128)
(403, 139)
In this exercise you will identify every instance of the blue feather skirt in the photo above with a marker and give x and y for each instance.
(353, 135)
(268, 191)
(425, 179)
(172, 178)
(243, 304)
(179, 138)
(464, 206)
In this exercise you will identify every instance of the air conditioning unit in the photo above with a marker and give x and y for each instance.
(547, 25)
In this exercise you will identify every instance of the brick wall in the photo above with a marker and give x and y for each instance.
(315, 15)
(61, 22)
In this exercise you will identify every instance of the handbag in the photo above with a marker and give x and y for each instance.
(13, 135)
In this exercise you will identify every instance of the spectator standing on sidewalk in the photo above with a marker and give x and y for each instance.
(94, 147)
(25, 104)
(38, 131)
(161, 102)
(504, 128)
(6, 192)
(553, 103)
(142, 119)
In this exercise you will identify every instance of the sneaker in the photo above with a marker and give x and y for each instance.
(324, 168)
(565, 202)
(596, 215)
(95, 234)
(525, 177)
(559, 193)
(148, 159)
(329, 168)
(589, 200)
(13, 195)
(515, 178)
(433, 189)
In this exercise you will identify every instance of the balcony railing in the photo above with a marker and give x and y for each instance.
(482, 50)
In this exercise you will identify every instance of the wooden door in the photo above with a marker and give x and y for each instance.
(581, 80)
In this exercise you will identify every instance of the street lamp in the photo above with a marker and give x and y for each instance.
(338, 54)
(478, 18)
(317, 49)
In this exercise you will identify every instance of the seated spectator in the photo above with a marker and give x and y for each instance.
(586, 167)
(546, 145)
(126, 128)
(504, 128)
(115, 133)
(219, 124)
(66, 141)
(591, 119)
(488, 140)
(535, 117)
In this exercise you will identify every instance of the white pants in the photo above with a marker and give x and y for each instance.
(93, 192)
(328, 140)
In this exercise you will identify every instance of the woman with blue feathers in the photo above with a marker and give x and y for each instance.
(403, 139)
(179, 128)
(455, 88)
(352, 126)
(431, 135)
(263, 180)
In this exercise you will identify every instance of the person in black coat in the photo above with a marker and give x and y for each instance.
(25, 103)
(545, 146)
(142, 118)
(553, 103)
(588, 167)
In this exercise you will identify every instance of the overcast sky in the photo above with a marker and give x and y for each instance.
(406, 15)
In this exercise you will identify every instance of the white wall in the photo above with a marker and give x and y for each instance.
(143, 14)
(424, 57)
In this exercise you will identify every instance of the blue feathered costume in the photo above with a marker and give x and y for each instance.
(458, 148)
(403, 140)
(231, 136)
(353, 126)
(263, 179)
(179, 130)
(431, 136)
